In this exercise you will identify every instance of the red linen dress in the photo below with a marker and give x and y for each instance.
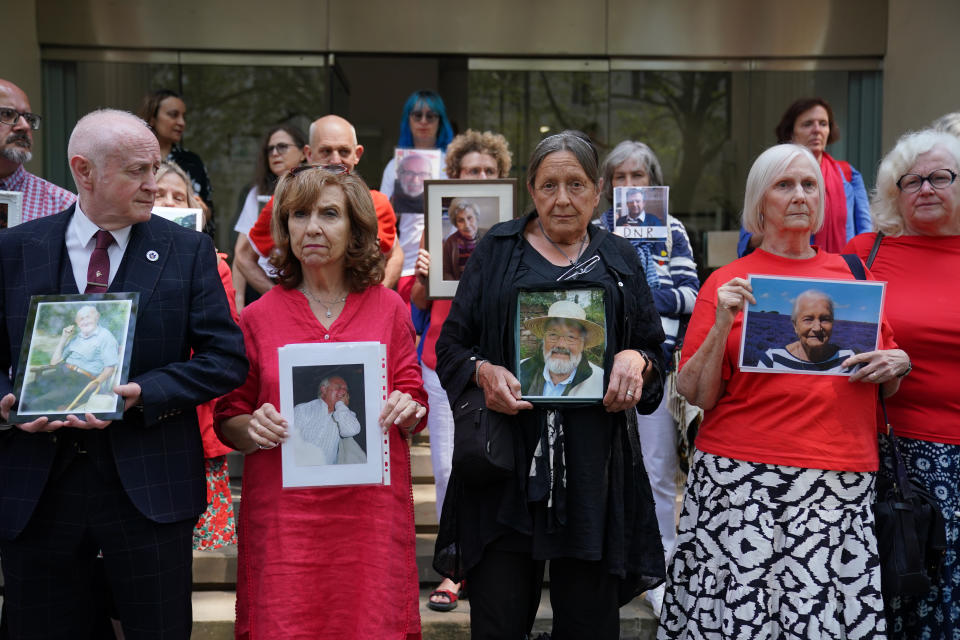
(332, 562)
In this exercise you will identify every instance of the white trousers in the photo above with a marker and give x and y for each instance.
(658, 439)
(440, 424)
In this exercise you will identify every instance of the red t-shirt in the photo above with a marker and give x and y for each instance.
(262, 240)
(439, 310)
(924, 308)
(798, 420)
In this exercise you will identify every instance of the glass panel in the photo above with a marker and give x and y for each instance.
(706, 127)
(228, 109)
(525, 106)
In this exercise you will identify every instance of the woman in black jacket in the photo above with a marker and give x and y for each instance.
(578, 495)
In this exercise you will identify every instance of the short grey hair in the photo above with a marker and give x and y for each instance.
(948, 123)
(768, 166)
(630, 150)
(575, 142)
(458, 205)
(810, 293)
(885, 204)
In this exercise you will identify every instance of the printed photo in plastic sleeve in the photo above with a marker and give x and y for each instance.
(640, 213)
(76, 348)
(560, 338)
(331, 396)
(804, 325)
(459, 213)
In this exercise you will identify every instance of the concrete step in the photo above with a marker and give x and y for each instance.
(424, 508)
(421, 468)
(215, 569)
(213, 616)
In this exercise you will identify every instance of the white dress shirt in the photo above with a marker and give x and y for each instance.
(81, 243)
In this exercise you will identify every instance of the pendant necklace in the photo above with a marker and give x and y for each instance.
(326, 307)
(583, 241)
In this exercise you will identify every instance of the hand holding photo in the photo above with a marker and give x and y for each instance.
(640, 213)
(802, 325)
(331, 395)
(75, 351)
(561, 343)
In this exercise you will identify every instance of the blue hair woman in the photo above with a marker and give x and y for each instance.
(424, 125)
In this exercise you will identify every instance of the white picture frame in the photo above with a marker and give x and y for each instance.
(493, 201)
(345, 446)
(11, 209)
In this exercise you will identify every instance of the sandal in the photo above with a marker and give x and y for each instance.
(449, 605)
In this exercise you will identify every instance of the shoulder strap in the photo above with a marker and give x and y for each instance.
(874, 249)
(856, 267)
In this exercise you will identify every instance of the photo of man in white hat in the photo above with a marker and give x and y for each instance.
(559, 368)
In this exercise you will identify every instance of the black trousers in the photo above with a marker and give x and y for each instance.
(50, 570)
(505, 589)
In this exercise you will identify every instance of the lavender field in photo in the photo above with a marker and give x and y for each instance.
(768, 330)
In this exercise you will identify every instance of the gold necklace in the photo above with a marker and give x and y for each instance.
(326, 306)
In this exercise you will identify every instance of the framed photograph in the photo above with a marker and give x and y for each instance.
(459, 213)
(804, 325)
(640, 213)
(561, 342)
(331, 396)
(76, 348)
(11, 209)
(189, 218)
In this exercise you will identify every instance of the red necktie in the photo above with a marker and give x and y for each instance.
(98, 273)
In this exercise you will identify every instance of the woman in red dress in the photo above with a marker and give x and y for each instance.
(311, 560)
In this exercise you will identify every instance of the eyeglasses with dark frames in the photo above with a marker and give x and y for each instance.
(429, 116)
(939, 179)
(11, 116)
(280, 147)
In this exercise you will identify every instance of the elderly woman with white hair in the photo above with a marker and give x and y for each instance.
(776, 531)
(916, 212)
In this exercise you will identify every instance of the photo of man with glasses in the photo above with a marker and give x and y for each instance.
(560, 368)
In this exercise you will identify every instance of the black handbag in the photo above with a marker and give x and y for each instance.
(482, 440)
(911, 532)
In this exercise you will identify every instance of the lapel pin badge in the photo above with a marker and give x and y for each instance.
(152, 255)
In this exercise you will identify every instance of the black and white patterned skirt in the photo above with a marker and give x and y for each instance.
(768, 551)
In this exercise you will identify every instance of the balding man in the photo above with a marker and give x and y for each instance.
(17, 124)
(134, 487)
(333, 140)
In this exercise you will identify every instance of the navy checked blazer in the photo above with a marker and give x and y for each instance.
(183, 307)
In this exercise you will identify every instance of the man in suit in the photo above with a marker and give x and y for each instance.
(637, 215)
(132, 488)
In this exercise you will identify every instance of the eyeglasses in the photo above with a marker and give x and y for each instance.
(939, 179)
(429, 116)
(553, 336)
(11, 116)
(331, 168)
(280, 147)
